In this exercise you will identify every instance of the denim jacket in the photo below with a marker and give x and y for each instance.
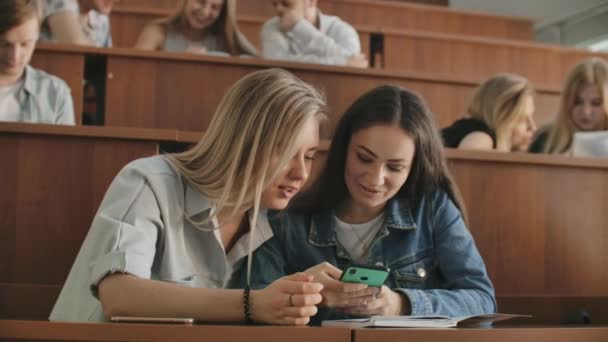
(431, 255)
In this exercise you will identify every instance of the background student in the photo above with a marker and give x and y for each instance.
(300, 32)
(384, 197)
(81, 22)
(28, 94)
(500, 117)
(198, 26)
(172, 230)
(583, 107)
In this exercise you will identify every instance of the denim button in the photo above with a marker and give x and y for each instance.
(421, 272)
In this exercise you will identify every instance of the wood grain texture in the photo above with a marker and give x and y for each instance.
(127, 24)
(537, 334)
(55, 184)
(399, 15)
(54, 331)
(144, 86)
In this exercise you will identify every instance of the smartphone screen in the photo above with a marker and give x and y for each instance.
(371, 275)
(160, 320)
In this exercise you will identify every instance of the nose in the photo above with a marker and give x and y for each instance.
(375, 176)
(206, 11)
(587, 109)
(532, 125)
(298, 170)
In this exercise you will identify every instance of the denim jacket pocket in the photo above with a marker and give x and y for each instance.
(413, 272)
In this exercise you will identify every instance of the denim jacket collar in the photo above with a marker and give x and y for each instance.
(323, 226)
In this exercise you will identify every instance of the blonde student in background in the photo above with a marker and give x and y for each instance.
(583, 107)
(500, 117)
(198, 26)
(81, 22)
(173, 230)
(28, 94)
(300, 32)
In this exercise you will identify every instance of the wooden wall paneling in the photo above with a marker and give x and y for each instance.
(67, 65)
(103, 332)
(537, 244)
(57, 199)
(529, 334)
(144, 87)
(554, 310)
(399, 15)
(544, 65)
(155, 4)
(128, 23)
(27, 301)
(387, 14)
(472, 57)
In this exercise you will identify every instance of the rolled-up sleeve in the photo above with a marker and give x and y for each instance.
(124, 233)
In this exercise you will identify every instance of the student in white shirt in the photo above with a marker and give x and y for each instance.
(81, 22)
(28, 94)
(173, 230)
(300, 32)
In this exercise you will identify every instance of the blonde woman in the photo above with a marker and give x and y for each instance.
(198, 26)
(583, 107)
(500, 117)
(173, 230)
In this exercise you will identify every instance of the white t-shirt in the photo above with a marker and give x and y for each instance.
(358, 238)
(10, 102)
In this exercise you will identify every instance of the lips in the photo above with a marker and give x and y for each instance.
(368, 190)
(288, 190)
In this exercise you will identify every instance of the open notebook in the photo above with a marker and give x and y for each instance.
(419, 321)
(590, 144)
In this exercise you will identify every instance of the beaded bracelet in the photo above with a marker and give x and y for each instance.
(246, 307)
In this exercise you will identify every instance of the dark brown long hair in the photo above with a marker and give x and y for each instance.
(394, 106)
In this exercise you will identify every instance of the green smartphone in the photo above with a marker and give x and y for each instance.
(372, 275)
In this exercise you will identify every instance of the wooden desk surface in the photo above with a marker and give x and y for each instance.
(47, 331)
(540, 334)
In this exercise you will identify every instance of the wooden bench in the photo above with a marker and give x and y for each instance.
(388, 14)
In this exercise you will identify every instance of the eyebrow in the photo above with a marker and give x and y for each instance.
(376, 156)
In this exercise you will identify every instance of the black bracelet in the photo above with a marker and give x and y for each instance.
(246, 307)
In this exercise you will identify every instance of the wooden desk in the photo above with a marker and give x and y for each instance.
(143, 87)
(539, 221)
(47, 331)
(399, 15)
(128, 22)
(544, 334)
(543, 64)
(55, 178)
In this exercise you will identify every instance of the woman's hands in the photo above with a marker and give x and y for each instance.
(290, 300)
(338, 294)
(386, 303)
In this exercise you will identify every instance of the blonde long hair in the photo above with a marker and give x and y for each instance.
(592, 71)
(224, 26)
(253, 130)
(499, 102)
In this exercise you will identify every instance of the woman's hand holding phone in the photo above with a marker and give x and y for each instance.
(339, 294)
(386, 303)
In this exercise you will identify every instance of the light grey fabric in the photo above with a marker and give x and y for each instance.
(45, 99)
(333, 43)
(149, 226)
